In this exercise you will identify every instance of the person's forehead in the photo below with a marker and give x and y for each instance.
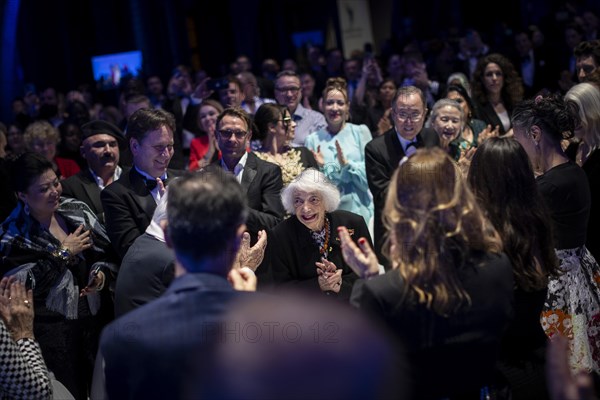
(232, 120)
(288, 80)
(410, 100)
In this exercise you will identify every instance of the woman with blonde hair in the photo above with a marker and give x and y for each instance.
(449, 294)
(339, 149)
(42, 138)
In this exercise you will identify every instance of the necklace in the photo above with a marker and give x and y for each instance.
(322, 239)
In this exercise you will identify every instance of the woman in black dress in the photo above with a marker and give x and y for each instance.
(572, 306)
(449, 295)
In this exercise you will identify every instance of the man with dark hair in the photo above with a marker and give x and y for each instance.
(129, 203)
(587, 58)
(153, 352)
(261, 180)
(100, 149)
(384, 153)
(288, 93)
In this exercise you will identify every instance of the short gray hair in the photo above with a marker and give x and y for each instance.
(311, 181)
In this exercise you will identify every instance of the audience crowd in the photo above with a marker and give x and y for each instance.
(248, 235)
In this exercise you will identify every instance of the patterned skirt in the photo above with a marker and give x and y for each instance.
(572, 307)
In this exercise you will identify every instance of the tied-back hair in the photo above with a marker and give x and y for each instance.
(26, 168)
(338, 84)
(434, 221)
(267, 113)
(514, 205)
(555, 117)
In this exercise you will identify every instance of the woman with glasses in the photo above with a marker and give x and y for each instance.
(275, 131)
(339, 149)
(497, 88)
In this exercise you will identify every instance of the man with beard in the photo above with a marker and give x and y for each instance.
(100, 149)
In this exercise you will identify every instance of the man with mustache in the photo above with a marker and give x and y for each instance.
(100, 149)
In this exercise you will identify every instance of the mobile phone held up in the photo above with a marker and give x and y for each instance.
(217, 84)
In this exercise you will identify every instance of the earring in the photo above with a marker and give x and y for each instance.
(26, 209)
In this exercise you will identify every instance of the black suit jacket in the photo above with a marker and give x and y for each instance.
(262, 183)
(295, 253)
(488, 115)
(83, 187)
(128, 208)
(382, 156)
(459, 350)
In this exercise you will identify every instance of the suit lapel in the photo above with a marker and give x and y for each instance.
(140, 193)
(250, 171)
(91, 189)
(394, 147)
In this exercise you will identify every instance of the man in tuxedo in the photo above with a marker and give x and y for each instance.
(384, 153)
(535, 67)
(164, 349)
(100, 149)
(129, 202)
(261, 180)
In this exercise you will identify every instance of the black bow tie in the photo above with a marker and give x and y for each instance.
(151, 183)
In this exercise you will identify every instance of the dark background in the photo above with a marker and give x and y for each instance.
(49, 43)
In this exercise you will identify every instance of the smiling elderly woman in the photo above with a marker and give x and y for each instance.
(306, 250)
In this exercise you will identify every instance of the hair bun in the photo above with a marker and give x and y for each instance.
(336, 82)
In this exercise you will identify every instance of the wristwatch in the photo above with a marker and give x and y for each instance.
(63, 254)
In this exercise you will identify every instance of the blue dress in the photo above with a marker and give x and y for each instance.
(351, 179)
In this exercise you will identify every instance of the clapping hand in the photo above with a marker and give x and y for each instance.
(487, 133)
(340, 154)
(362, 260)
(319, 156)
(16, 308)
(329, 276)
(464, 161)
(242, 279)
(251, 257)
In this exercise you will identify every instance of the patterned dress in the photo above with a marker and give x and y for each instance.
(572, 306)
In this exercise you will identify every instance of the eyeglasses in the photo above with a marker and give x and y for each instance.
(312, 200)
(226, 134)
(292, 89)
(405, 117)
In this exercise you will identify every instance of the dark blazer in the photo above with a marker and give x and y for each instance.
(128, 208)
(158, 350)
(487, 114)
(262, 184)
(83, 187)
(146, 271)
(382, 156)
(460, 351)
(294, 253)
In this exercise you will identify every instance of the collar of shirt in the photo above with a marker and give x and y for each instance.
(100, 181)
(300, 112)
(238, 170)
(404, 142)
(154, 192)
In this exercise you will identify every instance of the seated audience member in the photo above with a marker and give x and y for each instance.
(587, 58)
(287, 93)
(275, 131)
(232, 95)
(204, 148)
(251, 93)
(57, 245)
(515, 207)
(474, 130)
(100, 149)
(206, 221)
(41, 137)
(447, 120)
(15, 139)
(148, 267)
(70, 141)
(24, 374)
(129, 202)
(305, 247)
(449, 295)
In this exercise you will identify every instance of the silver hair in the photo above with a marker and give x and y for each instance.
(311, 181)
(435, 110)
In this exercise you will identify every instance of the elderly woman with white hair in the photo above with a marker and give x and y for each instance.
(306, 247)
